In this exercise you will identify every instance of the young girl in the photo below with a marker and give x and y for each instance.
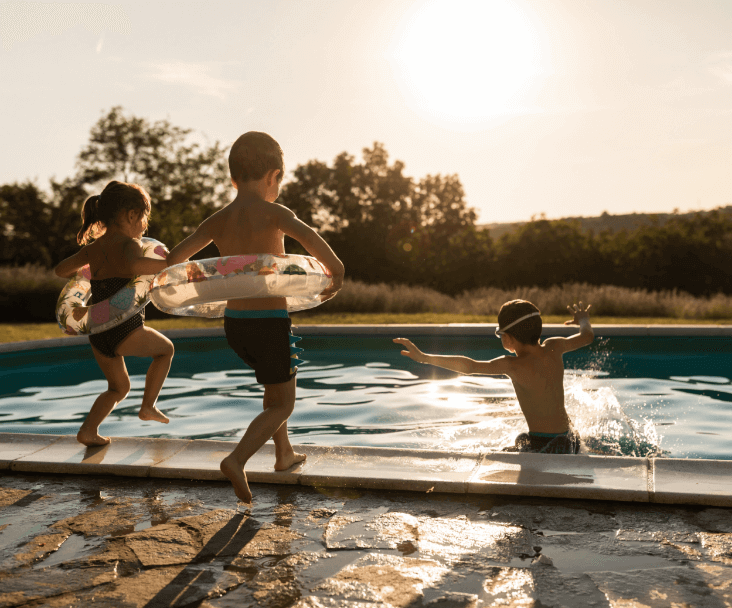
(115, 220)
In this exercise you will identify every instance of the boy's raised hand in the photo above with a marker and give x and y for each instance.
(412, 351)
(578, 314)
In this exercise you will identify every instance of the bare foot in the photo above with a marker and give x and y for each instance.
(91, 438)
(285, 462)
(238, 478)
(153, 413)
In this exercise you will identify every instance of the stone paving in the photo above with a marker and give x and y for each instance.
(70, 540)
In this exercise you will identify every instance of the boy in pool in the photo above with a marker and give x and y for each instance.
(258, 329)
(537, 373)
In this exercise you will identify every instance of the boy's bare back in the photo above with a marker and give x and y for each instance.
(538, 379)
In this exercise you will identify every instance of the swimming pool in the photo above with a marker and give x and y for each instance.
(663, 395)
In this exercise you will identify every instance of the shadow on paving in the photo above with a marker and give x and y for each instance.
(228, 542)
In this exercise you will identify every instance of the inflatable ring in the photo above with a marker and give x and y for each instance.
(200, 288)
(75, 317)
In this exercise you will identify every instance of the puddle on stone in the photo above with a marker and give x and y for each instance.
(17, 530)
(330, 564)
(72, 548)
(548, 533)
(572, 559)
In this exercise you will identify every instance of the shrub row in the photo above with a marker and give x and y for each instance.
(29, 293)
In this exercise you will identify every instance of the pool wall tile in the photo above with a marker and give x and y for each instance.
(14, 446)
(392, 469)
(449, 329)
(562, 475)
(129, 456)
(693, 481)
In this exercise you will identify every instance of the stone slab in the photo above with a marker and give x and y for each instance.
(200, 460)
(693, 481)
(128, 456)
(18, 445)
(392, 469)
(563, 476)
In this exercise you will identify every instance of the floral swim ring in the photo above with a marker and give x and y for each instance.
(75, 317)
(200, 288)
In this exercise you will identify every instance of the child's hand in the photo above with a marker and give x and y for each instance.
(412, 351)
(578, 314)
(336, 282)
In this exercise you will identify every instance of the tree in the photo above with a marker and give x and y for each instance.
(383, 224)
(187, 182)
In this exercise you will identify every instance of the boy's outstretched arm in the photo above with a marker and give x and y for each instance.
(585, 336)
(191, 244)
(315, 246)
(462, 365)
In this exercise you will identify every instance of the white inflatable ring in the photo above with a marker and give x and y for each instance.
(200, 288)
(75, 317)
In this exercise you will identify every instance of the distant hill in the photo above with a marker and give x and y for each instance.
(613, 223)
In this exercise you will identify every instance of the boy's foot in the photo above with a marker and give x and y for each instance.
(285, 462)
(237, 477)
(91, 439)
(153, 413)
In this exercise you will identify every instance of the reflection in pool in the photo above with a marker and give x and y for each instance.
(631, 396)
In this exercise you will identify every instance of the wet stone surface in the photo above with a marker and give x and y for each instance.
(123, 542)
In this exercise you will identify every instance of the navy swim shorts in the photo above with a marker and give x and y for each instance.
(263, 340)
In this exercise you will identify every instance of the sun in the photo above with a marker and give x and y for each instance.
(466, 60)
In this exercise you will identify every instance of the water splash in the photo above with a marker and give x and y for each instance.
(602, 423)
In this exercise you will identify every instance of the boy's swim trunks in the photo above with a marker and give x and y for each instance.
(548, 443)
(262, 339)
(106, 342)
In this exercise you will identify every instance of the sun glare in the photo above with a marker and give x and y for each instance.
(465, 61)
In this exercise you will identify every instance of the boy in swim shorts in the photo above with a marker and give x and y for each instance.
(537, 373)
(258, 329)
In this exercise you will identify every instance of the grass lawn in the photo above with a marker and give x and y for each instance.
(20, 332)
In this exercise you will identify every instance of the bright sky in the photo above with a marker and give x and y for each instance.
(562, 107)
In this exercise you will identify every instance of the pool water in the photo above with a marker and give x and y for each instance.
(666, 397)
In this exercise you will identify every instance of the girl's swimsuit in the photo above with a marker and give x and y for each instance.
(106, 342)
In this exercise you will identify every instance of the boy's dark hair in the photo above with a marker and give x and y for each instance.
(253, 155)
(101, 210)
(527, 331)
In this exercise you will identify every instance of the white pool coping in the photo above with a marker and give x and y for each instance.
(396, 330)
(666, 481)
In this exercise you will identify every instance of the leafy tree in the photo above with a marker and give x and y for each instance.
(543, 253)
(186, 181)
(39, 228)
(383, 224)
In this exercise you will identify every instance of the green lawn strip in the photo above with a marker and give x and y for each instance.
(20, 332)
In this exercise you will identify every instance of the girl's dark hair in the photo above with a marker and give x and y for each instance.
(101, 210)
(526, 332)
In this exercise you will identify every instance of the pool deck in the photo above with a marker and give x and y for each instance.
(650, 480)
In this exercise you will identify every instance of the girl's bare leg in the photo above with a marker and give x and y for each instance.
(146, 342)
(118, 382)
(279, 402)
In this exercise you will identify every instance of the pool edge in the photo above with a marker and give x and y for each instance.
(626, 479)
